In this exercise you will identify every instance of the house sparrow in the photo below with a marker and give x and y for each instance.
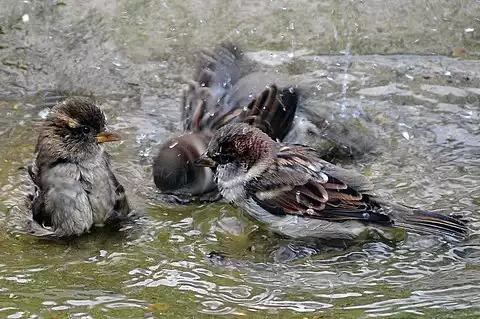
(218, 95)
(75, 187)
(297, 194)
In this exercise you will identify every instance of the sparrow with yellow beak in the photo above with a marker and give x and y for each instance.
(75, 187)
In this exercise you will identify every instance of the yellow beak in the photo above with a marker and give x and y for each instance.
(104, 137)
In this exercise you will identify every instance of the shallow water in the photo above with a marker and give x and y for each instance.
(423, 107)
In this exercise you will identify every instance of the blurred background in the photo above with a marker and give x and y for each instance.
(409, 70)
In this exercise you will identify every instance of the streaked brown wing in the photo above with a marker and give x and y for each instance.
(297, 184)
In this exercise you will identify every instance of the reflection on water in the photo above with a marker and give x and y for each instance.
(424, 110)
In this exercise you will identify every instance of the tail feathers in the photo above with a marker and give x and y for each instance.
(435, 222)
(35, 229)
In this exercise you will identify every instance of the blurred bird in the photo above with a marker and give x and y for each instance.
(295, 193)
(335, 140)
(217, 95)
(75, 187)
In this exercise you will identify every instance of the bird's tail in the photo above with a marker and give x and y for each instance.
(427, 221)
(436, 222)
(37, 230)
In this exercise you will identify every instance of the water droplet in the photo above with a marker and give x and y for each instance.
(310, 211)
(323, 176)
(366, 216)
(406, 135)
(297, 196)
(44, 113)
(173, 145)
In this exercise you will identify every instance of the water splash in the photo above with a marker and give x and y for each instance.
(344, 106)
(291, 28)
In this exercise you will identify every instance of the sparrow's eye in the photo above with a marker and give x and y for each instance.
(86, 129)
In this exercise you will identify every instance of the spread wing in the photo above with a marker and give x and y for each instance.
(216, 72)
(207, 104)
(273, 111)
(299, 183)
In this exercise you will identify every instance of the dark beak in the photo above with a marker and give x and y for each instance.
(205, 161)
(104, 137)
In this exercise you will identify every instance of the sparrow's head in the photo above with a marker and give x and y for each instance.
(237, 142)
(174, 170)
(73, 130)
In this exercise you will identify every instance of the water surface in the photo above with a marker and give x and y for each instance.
(408, 70)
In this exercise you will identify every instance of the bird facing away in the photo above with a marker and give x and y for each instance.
(218, 95)
(75, 187)
(297, 194)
